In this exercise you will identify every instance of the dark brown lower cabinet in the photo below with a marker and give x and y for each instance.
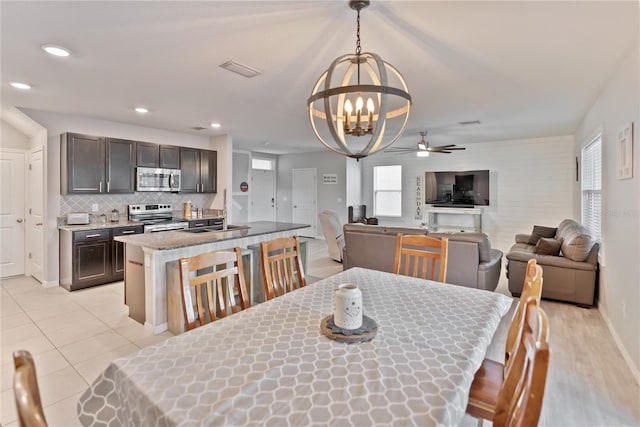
(92, 257)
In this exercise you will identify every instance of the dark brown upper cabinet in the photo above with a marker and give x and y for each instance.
(94, 165)
(152, 155)
(199, 170)
(120, 165)
(148, 154)
(169, 157)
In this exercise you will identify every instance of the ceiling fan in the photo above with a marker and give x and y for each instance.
(423, 148)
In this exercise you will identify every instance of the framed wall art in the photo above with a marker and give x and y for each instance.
(625, 152)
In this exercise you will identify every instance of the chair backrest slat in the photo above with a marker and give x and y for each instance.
(520, 397)
(26, 391)
(281, 263)
(532, 289)
(207, 275)
(424, 256)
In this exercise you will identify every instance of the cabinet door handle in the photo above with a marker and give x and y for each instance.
(128, 232)
(92, 235)
(19, 220)
(108, 186)
(100, 190)
(38, 224)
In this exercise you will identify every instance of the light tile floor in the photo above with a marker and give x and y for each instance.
(73, 336)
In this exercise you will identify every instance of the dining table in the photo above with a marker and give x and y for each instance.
(270, 365)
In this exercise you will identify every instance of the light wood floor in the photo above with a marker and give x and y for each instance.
(589, 383)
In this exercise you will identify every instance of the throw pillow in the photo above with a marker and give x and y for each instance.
(539, 231)
(548, 246)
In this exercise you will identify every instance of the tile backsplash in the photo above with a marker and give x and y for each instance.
(108, 202)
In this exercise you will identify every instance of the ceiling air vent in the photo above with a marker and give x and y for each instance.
(198, 128)
(243, 70)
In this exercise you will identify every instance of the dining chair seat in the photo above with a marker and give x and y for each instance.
(483, 396)
(421, 256)
(216, 281)
(281, 264)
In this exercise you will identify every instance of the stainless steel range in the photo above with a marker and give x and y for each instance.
(158, 217)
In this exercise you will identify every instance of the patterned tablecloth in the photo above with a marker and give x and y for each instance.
(270, 365)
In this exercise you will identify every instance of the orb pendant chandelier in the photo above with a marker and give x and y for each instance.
(352, 82)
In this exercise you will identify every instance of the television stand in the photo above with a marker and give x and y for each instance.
(451, 219)
(454, 205)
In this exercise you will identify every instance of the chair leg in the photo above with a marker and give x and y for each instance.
(480, 422)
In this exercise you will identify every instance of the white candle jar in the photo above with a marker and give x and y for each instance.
(347, 312)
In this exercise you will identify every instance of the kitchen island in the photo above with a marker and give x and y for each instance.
(146, 256)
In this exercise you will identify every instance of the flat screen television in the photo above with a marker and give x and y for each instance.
(457, 189)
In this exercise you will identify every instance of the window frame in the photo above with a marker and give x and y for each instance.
(591, 152)
(394, 190)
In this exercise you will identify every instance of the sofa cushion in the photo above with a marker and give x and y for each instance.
(548, 246)
(539, 232)
(578, 247)
(577, 241)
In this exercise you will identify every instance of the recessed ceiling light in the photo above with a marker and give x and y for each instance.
(141, 110)
(19, 85)
(215, 125)
(55, 50)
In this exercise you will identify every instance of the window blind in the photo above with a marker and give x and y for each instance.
(387, 190)
(592, 187)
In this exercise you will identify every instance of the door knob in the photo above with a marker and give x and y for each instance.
(19, 220)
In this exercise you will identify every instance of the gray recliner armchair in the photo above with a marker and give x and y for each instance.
(332, 230)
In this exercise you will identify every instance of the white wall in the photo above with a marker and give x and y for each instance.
(10, 137)
(616, 106)
(56, 124)
(330, 196)
(354, 182)
(531, 183)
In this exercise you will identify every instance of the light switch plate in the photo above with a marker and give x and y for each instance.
(94, 207)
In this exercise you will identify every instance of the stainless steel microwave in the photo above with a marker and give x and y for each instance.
(154, 179)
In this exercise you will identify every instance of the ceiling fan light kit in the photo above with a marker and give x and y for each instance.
(337, 102)
(423, 148)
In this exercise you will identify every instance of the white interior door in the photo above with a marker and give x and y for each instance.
(263, 195)
(12, 224)
(35, 214)
(304, 200)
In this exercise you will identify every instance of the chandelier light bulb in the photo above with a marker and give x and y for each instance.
(370, 106)
(359, 104)
(348, 107)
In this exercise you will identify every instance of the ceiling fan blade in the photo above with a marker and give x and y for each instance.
(400, 150)
(445, 146)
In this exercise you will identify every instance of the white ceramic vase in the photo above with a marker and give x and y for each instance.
(347, 313)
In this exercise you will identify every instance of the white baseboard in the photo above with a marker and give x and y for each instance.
(51, 284)
(616, 338)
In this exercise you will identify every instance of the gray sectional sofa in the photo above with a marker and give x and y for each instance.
(471, 260)
(569, 262)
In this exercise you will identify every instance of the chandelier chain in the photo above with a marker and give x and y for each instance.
(358, 48)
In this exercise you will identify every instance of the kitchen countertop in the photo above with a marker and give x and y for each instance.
(180, 239)
(124, 223)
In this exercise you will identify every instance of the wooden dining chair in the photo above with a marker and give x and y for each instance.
(281, 266)
(487, 381)
(212, 279)
(421, 256)
(520, 397)
(27, 394)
